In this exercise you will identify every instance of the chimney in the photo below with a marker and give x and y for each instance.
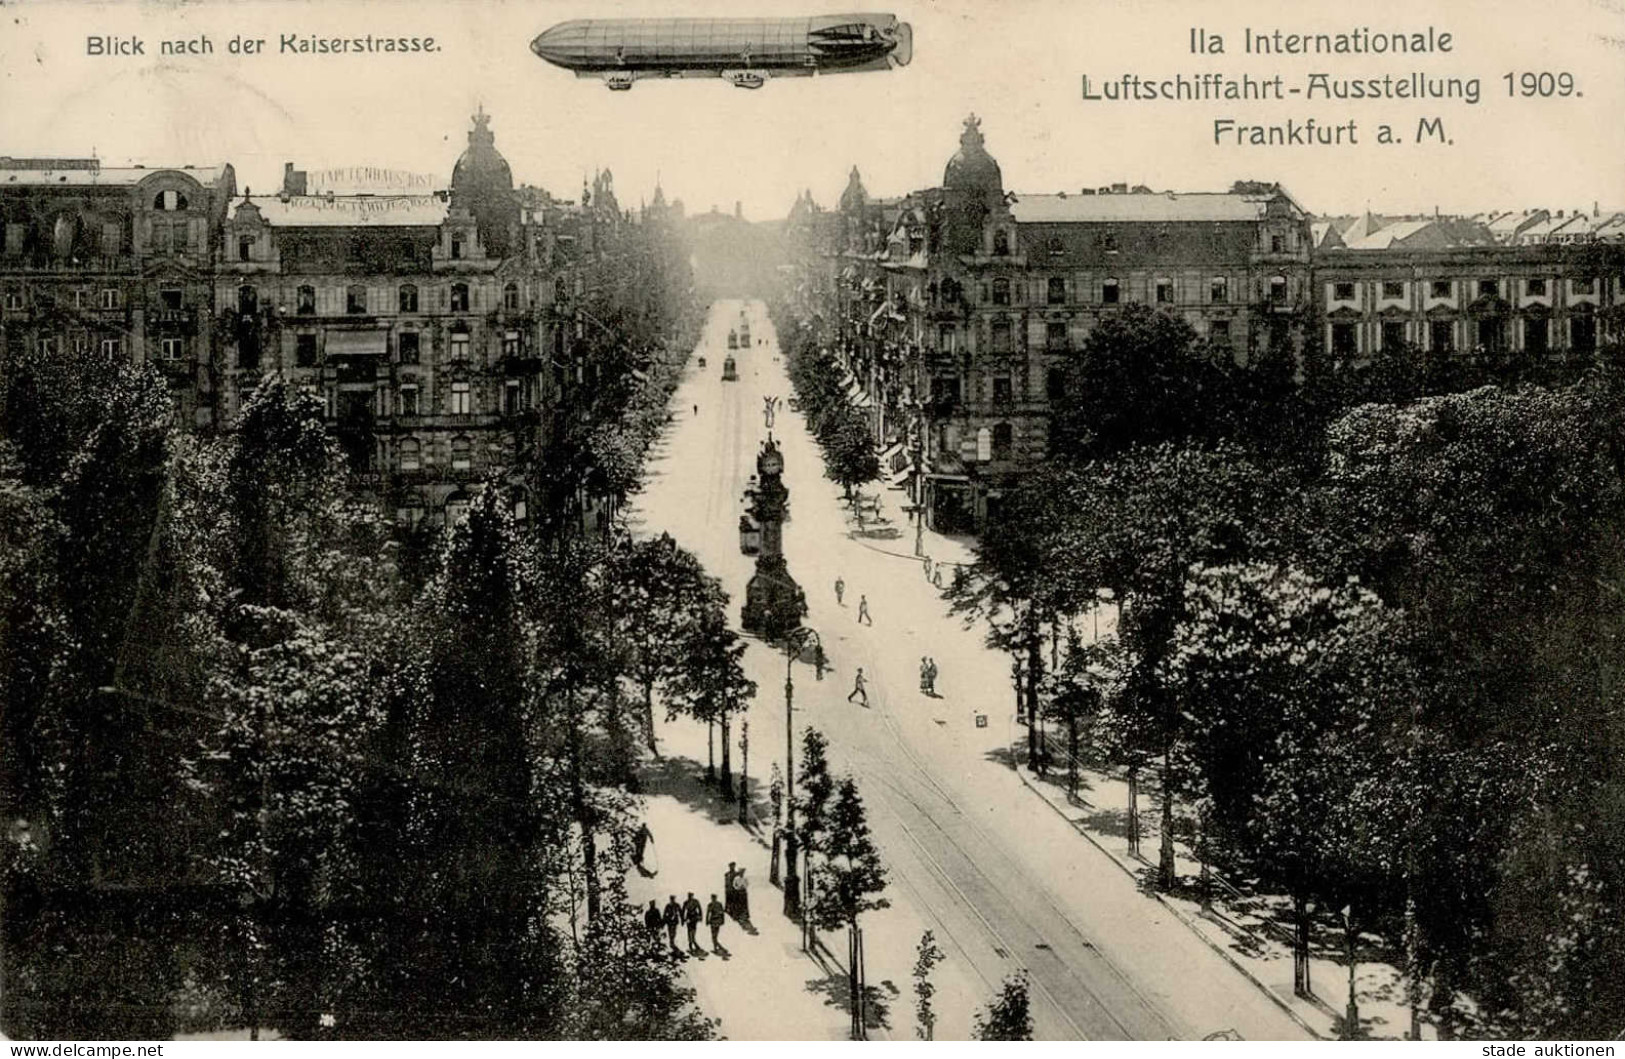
(293, 180)
(739, 209)
(1120, 189)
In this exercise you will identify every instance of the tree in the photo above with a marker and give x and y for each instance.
(1008, 1016)
(711, 679)
(849, 868)
(927, 956)
(849, 454)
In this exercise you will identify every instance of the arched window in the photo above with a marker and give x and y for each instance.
(984, 445)
(1004, 436)
(1001, 291)
(459, 297)
(409, 298)
(510, 296)
(355, 298)
(248, 300)
(461, 454)
(169, 201)
(1001, 242)
(306, 301)
(411, 454)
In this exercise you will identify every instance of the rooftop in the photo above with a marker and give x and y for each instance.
(1157, 206)
(76, 173)
(371, 211)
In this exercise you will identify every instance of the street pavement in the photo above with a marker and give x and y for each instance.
(1003, 881)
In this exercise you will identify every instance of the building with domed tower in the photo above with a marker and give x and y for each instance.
(958, 324)
(423, 318)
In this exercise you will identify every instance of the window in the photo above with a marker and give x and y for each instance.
(1055, 384)
(459, 297)
(1344, 340)
(456, 249)
(461, 454)
(80, 298)
(409, 298)
(1537, 335)
(304, 351)
(1492, 334)
(510, 344)
(1001, 243)
(1002, 391)
(46, 347)
(510, 396)
(14, 300)
(409, 399)
(1218, 331)
(1003, 441)
(1219, 290)
(1165, 292)
(1277, 244)
(355, 298)
(245, 247)
(1441, 288)
(172, 348)
(248, 300)
(1442, 336)
(1488, 288)
(182, 238)
(1583, 333)
(1055, 336)
(1586, 285)
(1001, 291)
(1392, 288)
(111, 347)
(112, 238)
(170, 298)
(1535, 288)
(411, 452)
(510, 296)
(945, 338)
(306, 303)
(1278, 289)
(459, 345)
(1109, 292)
(1056, 247)
(1110, 242)
(109, 298)
(1343, 292)
(1055, 292)
(169, 201)
(461, 400)
(1393, 334)
(409, 347)
(81, 343)
(945, 390)
(1001, 336)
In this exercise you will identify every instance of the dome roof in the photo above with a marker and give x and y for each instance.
(854, 197)
(972, 168)
(481, 166)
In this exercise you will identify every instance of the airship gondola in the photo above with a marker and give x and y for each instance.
(746, 52)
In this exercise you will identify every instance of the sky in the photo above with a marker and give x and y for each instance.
(1018, 65)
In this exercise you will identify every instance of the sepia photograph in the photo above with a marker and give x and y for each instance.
(700, 520)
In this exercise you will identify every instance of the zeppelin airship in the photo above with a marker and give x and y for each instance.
(745, 52)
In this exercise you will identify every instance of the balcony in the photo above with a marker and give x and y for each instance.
(76, 266)
(183, 319)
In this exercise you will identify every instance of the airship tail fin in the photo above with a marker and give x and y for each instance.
(904, 51)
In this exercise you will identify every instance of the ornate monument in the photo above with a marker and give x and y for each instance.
(774, 603)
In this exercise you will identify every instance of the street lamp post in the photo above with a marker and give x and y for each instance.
(794, 644)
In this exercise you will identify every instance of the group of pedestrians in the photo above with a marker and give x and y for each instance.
(690, 914)
(933, 571)
(928, 676)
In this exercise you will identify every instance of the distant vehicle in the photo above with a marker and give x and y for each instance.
(733, 339)
(730, 372)
(745, 52)
(702, 362)
(744, 338)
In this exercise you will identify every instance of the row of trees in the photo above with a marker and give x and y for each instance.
(841, 428)
(259, 770)
(1364, 636)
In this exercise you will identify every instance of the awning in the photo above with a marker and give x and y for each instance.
(357, 343)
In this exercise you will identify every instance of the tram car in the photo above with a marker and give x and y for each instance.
(730, 371)
(733, 339)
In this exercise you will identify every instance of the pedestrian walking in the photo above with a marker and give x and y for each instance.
(640, 843)
(716, 917)
(692, 914)
(859, 687)
(840, 590)
(738, 894)
(863, 611)
(651, 920)
(672, 917)
(696, 409)
(931, 677)
(928, 568)
(925, 676)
